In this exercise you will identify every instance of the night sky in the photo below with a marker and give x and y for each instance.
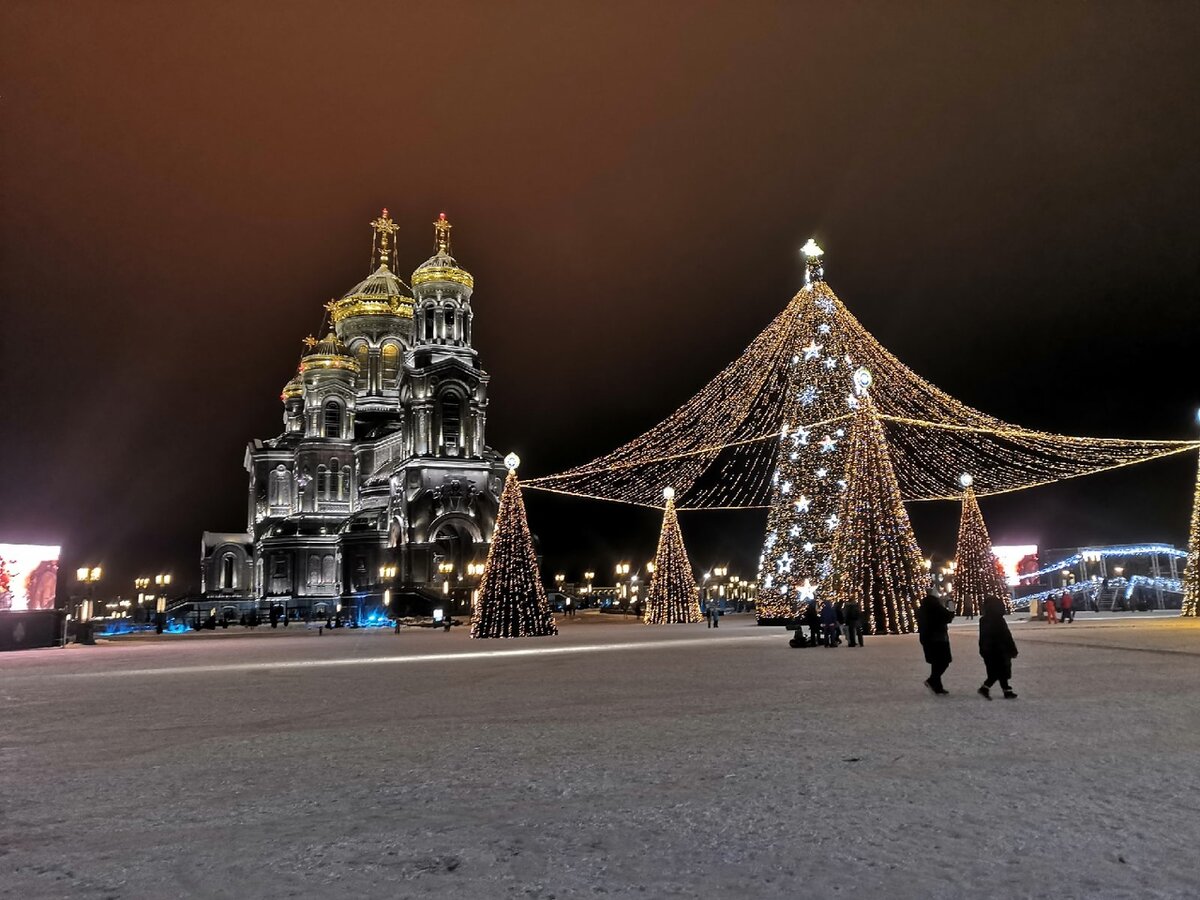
(1008, 196)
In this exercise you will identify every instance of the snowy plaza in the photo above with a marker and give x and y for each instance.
(613, 760)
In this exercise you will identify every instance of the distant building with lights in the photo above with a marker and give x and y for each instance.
(381, 491)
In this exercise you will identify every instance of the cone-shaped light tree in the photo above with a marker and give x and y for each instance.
(673, 596)
(1191, 572)
(875, 557)
(512, 602)
(977, 572)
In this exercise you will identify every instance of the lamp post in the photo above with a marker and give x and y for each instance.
(88, 576)
(588, 577)
(161, 581)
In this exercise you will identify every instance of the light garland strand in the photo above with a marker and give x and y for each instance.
(977, 573)
(673, 596)
(512, 602)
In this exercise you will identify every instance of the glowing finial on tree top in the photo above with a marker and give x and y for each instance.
(966, 480)
(668, 493)
(814, 270)
(511, 462)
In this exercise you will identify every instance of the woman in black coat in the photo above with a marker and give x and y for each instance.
(997, 647)
(932, 619)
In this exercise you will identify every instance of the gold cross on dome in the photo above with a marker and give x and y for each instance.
(441, 231)
(384, 228)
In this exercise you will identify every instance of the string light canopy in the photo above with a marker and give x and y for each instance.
(769, 431)
(722, 447)
(1191, 572)
(673, 597)
(512, 602)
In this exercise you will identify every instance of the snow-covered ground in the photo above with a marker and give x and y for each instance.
(613, 760)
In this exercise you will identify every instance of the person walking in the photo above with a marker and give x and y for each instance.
(932, 621)
(1051, 612)
(852, 613)
(997, 647)
(1068, 608)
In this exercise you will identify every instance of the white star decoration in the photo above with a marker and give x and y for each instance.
(808, 548)
(808, 396)
(807, 590)
(825, 305)
(803, 503)
(828, 444)
(830, 362)
(800, 437)
(821, 473)
(786, 487)
(852, 401)
(823, 329)
(832, 522)
(841, 484)
(812, 351)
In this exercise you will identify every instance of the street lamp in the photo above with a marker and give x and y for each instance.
(88, 577)
(588, 576)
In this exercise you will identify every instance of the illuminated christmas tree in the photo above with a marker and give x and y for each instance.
(512, 602)
(875, 557)
(977, 572)
(1191, 573)
(673, 597)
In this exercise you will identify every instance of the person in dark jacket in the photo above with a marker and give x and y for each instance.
(852, 613)
(932, 619)
(829, 623)
(997, 647)
(813, 620)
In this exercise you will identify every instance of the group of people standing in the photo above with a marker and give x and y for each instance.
(1066, 605)
(996, 644)
(828, 624)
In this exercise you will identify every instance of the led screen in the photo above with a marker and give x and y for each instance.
(28, 576)
(1017, 560)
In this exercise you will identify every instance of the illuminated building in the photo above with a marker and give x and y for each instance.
(381, 484)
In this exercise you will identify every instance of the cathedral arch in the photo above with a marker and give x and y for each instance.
(362, 355)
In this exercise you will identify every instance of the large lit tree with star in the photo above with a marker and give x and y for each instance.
(512, 602)
(977, 572)
(809, 476)
(673, 597)
(875, 557)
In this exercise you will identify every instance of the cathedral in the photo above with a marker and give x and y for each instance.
(380, 496)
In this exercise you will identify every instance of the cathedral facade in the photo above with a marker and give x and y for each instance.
(380, 496)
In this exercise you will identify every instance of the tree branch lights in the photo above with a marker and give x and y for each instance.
(977, 572)
(876, 560)
(1191, 572)
(512, 602)
(673, 597)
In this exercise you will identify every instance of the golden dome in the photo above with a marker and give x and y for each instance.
(293, 389)
(379, 294)
(327, 353)
(442, 266)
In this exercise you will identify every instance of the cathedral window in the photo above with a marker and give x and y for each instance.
(314, 570)
(333, 419)
(345, 482)
(362, 355)
(429, 317)
(452, 423)
(328, 575)
(280, 488)
(228, 572)
(390, 359)
(322, 483)
(449, 328)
